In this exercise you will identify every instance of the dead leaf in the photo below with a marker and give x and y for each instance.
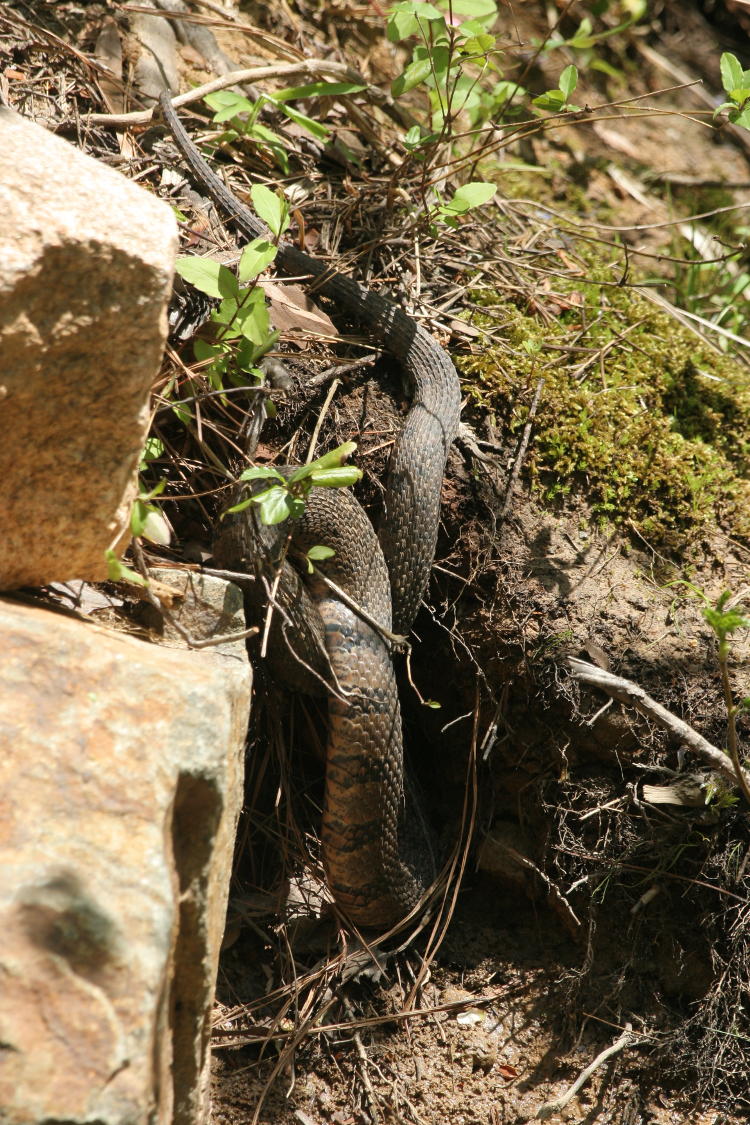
(292, 309)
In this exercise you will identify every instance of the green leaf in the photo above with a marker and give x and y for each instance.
(252, 319)
(742, 119)
(319, 90)
(583, 39)
(480, 45)
(504, 92)
(483, 11)
(261, 472)
(316, 128)
(413, 138)
(553, 101)
(227, 104)
(568, 81)
(208, 276)
(416, 139)
(203, 350)
(138, 514)
(606, 68)
(415, 73)
(277, 505)
(469, 196)
(226, 315)
(156, 528)
(240, 507)
(271, 207)
(117, 571)
(256, 257)
(152, 449)
(731, 72)
(336, 478)
(408, 18)
(183, 413)
(318, 554)
(331, 460)
(442, 59)
(335, 457)
(270, 140)
(155, 491)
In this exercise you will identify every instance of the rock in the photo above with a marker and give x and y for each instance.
(156, 65)
(205, 607)
(87, 272)
(199, 37)
(121, 783)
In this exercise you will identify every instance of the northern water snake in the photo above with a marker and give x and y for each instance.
(367, 867)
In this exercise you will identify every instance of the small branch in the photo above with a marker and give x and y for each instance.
(395, 641)
(342, 369)
(521, 456)
(309, 68)
(335, 384)
(549, 1108)
(272, 597)
(628, 692)
(236, 576)
(732, 743)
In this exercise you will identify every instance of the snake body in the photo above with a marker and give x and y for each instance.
(367, 866)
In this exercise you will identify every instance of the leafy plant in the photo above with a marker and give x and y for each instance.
(584, 39)
(465, 198)
(242, 115)
(118, 571)
(555, 101)
(450, 58)
(736, 83)
(244, 331)
(146, 520)
(286, 495)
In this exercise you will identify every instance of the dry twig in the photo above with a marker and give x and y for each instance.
(634, 695)
(549, 1108)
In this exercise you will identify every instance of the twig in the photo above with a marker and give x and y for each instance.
(335, 384)
(232, 1037)
(546, 1111)
(310, 68)
(397, 642)
(732, 742)
(525, 438)
(341, 369)
(236, 576)
(634, 695)
(372, 1097)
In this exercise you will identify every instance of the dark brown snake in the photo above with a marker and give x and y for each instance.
(369, 866)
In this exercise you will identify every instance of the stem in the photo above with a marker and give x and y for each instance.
(732, 743)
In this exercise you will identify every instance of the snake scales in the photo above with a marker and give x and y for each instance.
(369, 865)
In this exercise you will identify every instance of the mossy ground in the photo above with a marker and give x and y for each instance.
(636, 412)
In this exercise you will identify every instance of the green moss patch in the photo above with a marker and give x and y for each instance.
(636, 413)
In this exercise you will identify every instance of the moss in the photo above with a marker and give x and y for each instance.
(647, 422)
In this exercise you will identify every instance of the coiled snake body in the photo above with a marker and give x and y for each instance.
(367, 866)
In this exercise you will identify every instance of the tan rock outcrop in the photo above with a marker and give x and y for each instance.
(87, 271)
(120, 787)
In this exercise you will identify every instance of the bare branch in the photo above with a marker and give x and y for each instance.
(634, 695)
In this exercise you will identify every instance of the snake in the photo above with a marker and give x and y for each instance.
(376, 872)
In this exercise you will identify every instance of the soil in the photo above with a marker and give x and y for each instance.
(582, 911)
